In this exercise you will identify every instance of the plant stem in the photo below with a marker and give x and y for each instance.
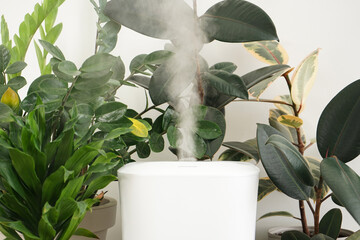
(301, 148)
(318, 190)
(263, 101)
(145, 111)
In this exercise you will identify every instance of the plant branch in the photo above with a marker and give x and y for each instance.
(310, 206)
(303, 218)
(263, 101)
(145, 111)
(325, 198)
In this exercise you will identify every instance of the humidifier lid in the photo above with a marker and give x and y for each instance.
(213, 168)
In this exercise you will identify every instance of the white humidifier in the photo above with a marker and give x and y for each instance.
(188, 200)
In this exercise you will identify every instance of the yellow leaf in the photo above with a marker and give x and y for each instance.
(11, 98)
(270, 52)
(290, 121)
(303, 79)
(138, 128)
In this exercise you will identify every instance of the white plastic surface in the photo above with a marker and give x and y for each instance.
(188, 200)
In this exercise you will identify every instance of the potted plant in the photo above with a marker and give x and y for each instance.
(66, 138)
(281, 145)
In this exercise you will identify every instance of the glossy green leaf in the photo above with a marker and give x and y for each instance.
(143, 149)
(345, 184)
(227, 83)
(338, 131)
(248, 148)
(156, 142)
(294, 235)
(277, 166)
(85, 233)
(110, 112)
(98, 183)
(292, 155)
(330, 223)
(174, 136)
(24, 165)
(117, 132)
(277, 214)
(8, 173)
(53, 50)
(270, 52)
(237, 21)
(20, 227)
(303, 79)
(158, 22)
(4, 58)
(16, 67)
(265, 188)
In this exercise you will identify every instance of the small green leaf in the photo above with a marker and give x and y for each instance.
(248, 148)
(321, 236)
(200, 147)
(17, 83)
(98, 183)
(98, 62)
(156, 142)
(85, 233)
(4, 58)
(208, 130)
(174, 136)
(143, 149)
(54, 33)
(265, 188)
(233, 155)
(157, 57)
(68, 68)
(117, 132)
(224, 66)
(16, 67)
(110, 112)
(294, 235)
(53, 50)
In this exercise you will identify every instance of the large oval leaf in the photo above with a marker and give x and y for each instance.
(159, 18)
(303, 79)
(277, 166)
(294, 157)
(237, 21)
(345, 184)
(338, 130)
(330, 224)
(270, 52)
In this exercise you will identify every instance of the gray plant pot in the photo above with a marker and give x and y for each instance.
(100, 219)
(275, 233)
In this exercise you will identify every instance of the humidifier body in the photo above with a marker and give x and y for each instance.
(188, 200)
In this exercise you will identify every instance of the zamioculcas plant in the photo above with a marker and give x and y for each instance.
(281, 145)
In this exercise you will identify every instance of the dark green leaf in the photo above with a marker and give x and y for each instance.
(98, 183)
(143, 149)
(294, 235)
(159, 22)
(85, 233)
(208, 130)
(330, 223)
(200, 147)
(142, 81)
(8, 173)
(174, 136)
(294, 157)
(237, 21)
(156, 142)
(248, 148)
(53, 50)
(227, 83)
(224, 66)
(233, 155)
(321, 236)
(137, 64)
(16, 67)
(117, 132)
(5, 113)
(338, 131)
(345, 184)
(110, 112)
(85, 82)
(277, 166)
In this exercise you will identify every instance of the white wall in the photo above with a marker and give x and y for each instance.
(302, 26)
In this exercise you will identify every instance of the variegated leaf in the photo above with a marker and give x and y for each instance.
(259, 88)
(314, 165)
(270, 52)
(265, 188)
(277, 214)
(290, 121)
(303, 79)
(283, 107)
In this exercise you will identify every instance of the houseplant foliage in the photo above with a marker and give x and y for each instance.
(232, 21)
(281, 145)
(66, 138)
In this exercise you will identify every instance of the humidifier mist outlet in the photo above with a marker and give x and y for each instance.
(188, 200)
